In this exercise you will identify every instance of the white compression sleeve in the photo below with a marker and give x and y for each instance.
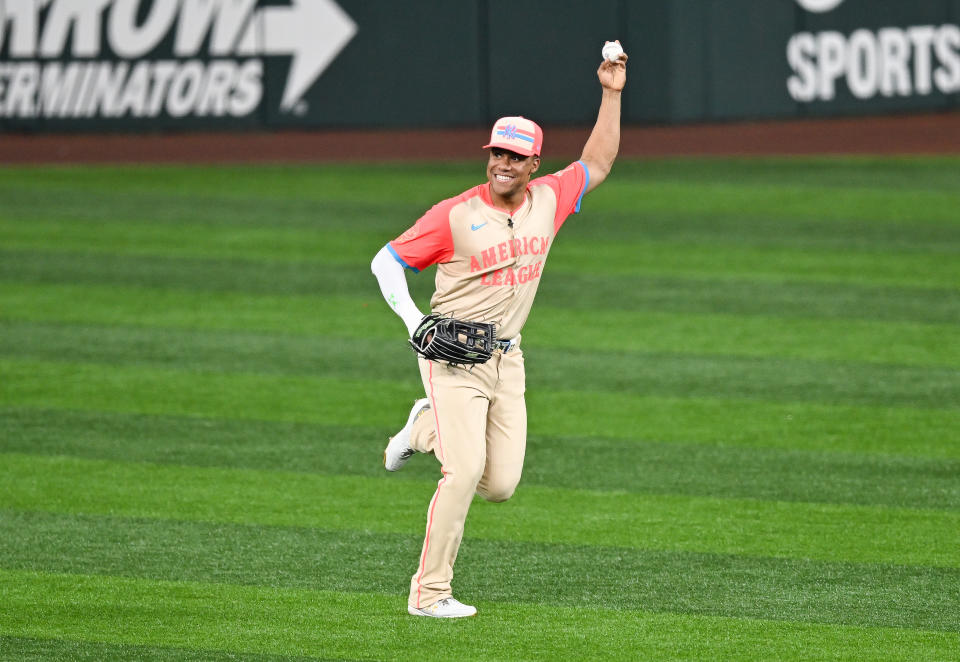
(393, 286)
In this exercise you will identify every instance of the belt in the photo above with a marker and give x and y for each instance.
(506, 345)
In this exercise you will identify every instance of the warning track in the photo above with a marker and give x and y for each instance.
(935, 133)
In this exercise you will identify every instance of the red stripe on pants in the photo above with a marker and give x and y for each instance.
(436, 495)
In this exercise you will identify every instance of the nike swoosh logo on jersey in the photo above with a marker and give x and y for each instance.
(477, 227)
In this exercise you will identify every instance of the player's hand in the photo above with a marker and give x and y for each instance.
(613, 75)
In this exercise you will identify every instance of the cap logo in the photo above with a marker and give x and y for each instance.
(510, 132)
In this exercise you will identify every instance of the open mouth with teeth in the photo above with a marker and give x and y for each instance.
(503, 178)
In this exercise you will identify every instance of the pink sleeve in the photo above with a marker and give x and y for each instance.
(428, 241)
(568, 185)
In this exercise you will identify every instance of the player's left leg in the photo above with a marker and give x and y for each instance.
(506, 430)
(454, 431)
(400, 448)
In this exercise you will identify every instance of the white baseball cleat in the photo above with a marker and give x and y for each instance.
(446, 608)
(398, 451)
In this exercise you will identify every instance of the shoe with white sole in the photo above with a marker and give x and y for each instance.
(446, 608)
(398, 451)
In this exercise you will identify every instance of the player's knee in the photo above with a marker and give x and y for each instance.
(463, 479)
(499, 497)
(497, 491)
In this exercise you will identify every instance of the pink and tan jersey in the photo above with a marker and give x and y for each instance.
(489, 262)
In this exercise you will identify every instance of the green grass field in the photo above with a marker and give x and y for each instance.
(744, 400)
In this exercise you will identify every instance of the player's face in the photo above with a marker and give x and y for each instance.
(509, 172)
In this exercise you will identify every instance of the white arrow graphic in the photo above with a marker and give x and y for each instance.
(819, 6)
(312, 31)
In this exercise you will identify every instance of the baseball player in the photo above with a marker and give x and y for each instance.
(490, 245)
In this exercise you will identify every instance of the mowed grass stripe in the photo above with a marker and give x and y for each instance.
(630, 465)
(295, 314)
(842, 191)
(580, 290)
(123, 237)
(24, 649)
(367, 626)
(747, 227)
(748, 527)
(349, 358)
(831, 172)
(783, 298)
(246, 184)
(496, 571)
(767, 379)
(904, 431)
(906, 191)
(209, 277)
(747, 334)
(922, 267)
(757, 202)
(373, 216)
(148, 390)
(208, 210)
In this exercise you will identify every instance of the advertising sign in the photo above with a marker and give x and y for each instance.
(160, 62)
(881, 52)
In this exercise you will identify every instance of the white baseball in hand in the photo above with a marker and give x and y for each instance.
(612, 50)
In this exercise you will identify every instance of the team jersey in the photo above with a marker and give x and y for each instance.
(489, 261)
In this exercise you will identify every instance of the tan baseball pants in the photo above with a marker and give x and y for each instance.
(477, 429)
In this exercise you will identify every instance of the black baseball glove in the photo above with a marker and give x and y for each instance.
(453, 341)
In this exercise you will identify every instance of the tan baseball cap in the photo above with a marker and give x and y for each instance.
(518, 134)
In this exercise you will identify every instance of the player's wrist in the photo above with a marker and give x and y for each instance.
(411, 319)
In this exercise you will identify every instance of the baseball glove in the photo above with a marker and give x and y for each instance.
(454, 341)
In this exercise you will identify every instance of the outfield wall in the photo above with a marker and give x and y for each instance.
(137, 65)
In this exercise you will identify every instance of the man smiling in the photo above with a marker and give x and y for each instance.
(490, 244)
